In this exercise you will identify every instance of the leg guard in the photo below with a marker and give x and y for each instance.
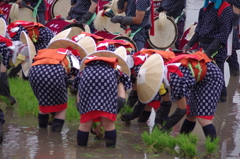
(43, 120)
(4, 88)
(187, 127)
(110, 138)
(1, 133)
(82, 138)
(162, 112)
(132, 99)
(136, 112)
(57, 125)
(14, 71)
(174, 119)
(144, 116)
(121, 102)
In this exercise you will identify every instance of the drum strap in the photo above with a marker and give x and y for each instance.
(90, 21)
(133, 34)
(35, 9)
(176, 20)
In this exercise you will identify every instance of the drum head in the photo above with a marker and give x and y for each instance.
(127, 39)
(76, 28)
(60, 7)
(25, 14)
(165, 36)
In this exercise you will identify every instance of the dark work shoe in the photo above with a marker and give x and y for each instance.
(1, 133)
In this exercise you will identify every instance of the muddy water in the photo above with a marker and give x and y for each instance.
(24, 140)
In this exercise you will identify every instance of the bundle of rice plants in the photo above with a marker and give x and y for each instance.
(211, 146)
(187, 149)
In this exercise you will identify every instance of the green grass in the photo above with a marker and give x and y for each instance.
(27, 104)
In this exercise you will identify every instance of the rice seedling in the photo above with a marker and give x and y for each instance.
(149, 142)
(187, 149)
(211, 146)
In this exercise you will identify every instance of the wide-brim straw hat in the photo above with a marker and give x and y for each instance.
(3, 27)
(24, 38)
(88, 44)
(67, 34)
(65, 43)
(121, 51)
(105, 53)
(149, 78)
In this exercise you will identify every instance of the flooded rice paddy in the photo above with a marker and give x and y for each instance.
(24, 140)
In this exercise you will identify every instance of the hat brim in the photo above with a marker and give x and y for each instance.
(121, 51)
(88, 44)
(65, 43)
(150, 78)
(24, 38)
(3, 27)
(121, 62)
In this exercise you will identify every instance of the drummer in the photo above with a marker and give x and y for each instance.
(174, 9)
(213, 35)
(38, 5)
(98, 98)
(137, 17)
(83, 11)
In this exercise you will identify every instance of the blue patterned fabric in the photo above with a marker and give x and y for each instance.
(210, 26)
(49, 83)
(167, 5)
(141, 5)
(45, 35)
(6, 54)
(202, 97)
(97, 85)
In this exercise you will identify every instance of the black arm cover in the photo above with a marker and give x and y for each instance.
(194, 39)
(179, 5)
(214, 47)
(121, 102)
(86, 17)
(120, 4)
(73, 2)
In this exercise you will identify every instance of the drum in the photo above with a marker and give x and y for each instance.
(12, 12)
(59, 24)
(60, 7)
(165, 35)
(108, 35)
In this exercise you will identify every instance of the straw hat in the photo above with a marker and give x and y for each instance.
(149, 78)
(67, 34)
(24, 38)
(3, 27)
(87, 29)
(121, 51)
(65, 43)
(88, 43)
(105, 53)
